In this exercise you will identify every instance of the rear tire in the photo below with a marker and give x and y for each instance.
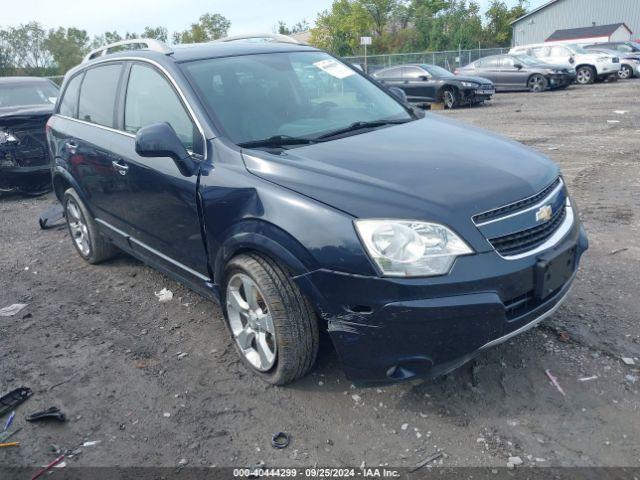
(90, 245)
(537, 83)
(585, 75)
(275, 329)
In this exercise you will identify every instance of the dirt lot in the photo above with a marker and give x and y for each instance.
(96, 342)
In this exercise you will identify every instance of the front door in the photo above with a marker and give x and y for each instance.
(160, 208)
(418, 84)
(513, 77)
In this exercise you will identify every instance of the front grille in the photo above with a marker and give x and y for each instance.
(507, 209)
(531, 238)
(525, 303)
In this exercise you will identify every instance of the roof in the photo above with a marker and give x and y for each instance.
(586, 32)
(7, 80)
(535, 10)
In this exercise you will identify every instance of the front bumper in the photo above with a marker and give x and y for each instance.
(389, 329)
(560, 80)
(470, 96)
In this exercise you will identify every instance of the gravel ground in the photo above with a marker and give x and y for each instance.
(96, 342)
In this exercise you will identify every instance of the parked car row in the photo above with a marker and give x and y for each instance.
(535, 68)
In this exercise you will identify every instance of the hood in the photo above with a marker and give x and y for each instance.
(465, 78)
(24, 112)
(433, 169)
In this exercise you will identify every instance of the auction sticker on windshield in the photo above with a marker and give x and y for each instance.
(334, 68)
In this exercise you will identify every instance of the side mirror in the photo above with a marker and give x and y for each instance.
(424, 78)
(518, 66)
(161, 140)
(399, 94)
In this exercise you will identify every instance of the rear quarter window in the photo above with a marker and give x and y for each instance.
(98, 94)
(69, 102)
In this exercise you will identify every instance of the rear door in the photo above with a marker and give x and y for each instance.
(490, 69)
(391, 77)
(90, 136)
(559, 55)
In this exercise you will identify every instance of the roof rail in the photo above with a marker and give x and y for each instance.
(269, 37)
(143, 44)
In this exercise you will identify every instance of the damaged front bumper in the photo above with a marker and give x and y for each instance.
(34, 177)
(390, 329)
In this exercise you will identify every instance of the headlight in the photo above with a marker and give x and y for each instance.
(6, 137)
(405, 248)
(470, 85)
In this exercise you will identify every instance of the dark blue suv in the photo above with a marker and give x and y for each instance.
(304, 196)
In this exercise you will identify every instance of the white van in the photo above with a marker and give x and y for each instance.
(589, 66)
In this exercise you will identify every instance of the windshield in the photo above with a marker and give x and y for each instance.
(16, 95)
(577, 48)
(527, 60)
(437, 71)
(293, 95)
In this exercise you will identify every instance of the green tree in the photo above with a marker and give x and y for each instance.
(210, 26)
(283, 29)
(27, 45)
(159, 33)
(381, 12)
(498, 30)
(67, 47)
(340, 28)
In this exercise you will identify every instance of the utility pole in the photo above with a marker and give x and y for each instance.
(365, 41)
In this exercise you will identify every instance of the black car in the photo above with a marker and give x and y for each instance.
(26, 103)
(303, 196)
(520, 72)
(432, 84)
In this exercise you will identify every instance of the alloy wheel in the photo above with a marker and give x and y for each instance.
(78, 227)
(624, 73)
(449, 99)
(537, 83)
(584, 76)
(251, 322)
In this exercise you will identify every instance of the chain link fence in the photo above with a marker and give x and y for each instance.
(449, 59)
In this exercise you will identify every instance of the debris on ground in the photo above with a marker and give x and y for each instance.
(555, 383)
(628, 361)
(620, 112)
(91, 443)
(164, 295)
(588, 379)
(4, 436)
(181, 355)
(52, 413)
(9, 444)
(356, 398)
(48, 467)
(14, 398)
(9, 421)
(613, 121)
(564, 337)
(514, 462)
(52, 215)
(12, 310)
(631, 378)
(618, 250)
(426, 461)
(280, 440)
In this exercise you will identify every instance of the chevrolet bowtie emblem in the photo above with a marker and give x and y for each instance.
(544, 214)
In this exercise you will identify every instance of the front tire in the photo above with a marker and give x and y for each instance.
(450, 98)
(274, 326)
(625, 73)
(90, 245)
(537, 83)
(585, 75)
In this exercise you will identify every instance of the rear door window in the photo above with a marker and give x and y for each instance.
(390, 73)
(69, 102)
(98, 94)
(413, 73)
(151, 99)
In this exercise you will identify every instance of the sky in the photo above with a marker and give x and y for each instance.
(97, 16)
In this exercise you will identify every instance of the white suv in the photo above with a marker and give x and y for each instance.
(589, 66)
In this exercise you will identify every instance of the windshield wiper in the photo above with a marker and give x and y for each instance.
(360, 126)
(277, 141)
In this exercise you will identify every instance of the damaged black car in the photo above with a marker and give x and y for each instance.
(26, 103)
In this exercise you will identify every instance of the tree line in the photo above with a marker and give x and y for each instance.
(396, 26)
(30, 49)
(414, 25)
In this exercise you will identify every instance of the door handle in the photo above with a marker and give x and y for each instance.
(120, 166)
(71, 145)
